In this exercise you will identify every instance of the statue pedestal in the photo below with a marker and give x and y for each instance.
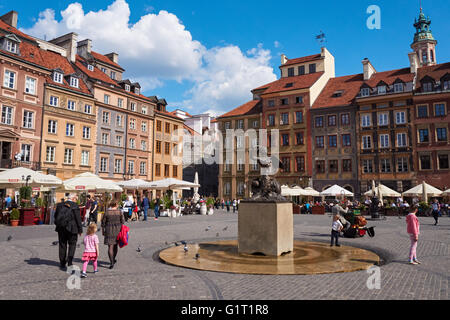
(265, 227)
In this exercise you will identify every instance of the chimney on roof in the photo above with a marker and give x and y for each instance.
(368, 69)
(284, 59)
(10, 18)
(114, 57)
(84, 47)
(68, 42)
(413, 62)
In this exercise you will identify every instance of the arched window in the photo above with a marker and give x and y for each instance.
(424, 57)
(431, 56)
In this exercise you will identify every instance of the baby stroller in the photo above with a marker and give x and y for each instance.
(358, 227)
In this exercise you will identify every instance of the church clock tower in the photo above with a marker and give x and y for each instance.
(424, 43)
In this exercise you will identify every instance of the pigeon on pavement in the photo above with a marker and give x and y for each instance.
(55, 243)
(9, 238)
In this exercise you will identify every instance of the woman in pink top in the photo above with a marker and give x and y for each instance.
(90, 249)
(412, 227)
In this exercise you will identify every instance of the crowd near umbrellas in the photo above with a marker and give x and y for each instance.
(336, 191)
(17, 177)
(384, 191)
(423, 190)
(89, 182)
(135, 184)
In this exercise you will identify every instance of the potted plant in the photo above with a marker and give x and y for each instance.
(203, 208)
(26, 211)
(423, 207)
(14, 217)
(210, 206)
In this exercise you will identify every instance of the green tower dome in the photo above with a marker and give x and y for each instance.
(423, 31)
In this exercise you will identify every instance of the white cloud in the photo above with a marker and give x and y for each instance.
(158, 47)
(277, 44)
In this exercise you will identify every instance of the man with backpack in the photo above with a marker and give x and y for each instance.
(68, 225)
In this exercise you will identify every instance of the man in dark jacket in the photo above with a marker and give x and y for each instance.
(68, 225)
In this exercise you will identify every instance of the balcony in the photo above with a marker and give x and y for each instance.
(11, 164)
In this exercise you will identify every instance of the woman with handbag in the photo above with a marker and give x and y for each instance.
(112, 222)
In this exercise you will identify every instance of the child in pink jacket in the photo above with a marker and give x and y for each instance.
(412, 227)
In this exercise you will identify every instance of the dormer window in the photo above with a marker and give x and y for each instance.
(337, 94)
(58, 77)
(381, 89)
(398, 87)
(446, 84)
(289, 85)
(90, 67)
(127, 87)
(11, 46)
(427, 87)
(136, 90)
(74, 82)
(113, 75)
(365, 92)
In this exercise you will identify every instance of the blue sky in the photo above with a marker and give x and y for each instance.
(218, 50)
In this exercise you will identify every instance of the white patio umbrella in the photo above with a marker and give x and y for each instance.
(335, 191)
(419, 190)
(294, 191)
(16, 178)
(386, 191)
(447, 192)
(310, 192)
(171, 184)
(134, 184)
(89, 181)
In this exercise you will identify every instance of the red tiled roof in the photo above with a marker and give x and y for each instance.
(436, 72)
(105, 59)
(191, 131)
(302, 59)
(9, 29)
(248, 108)
(96, 74)
(298, 82)
(390, 76)
(348, 85)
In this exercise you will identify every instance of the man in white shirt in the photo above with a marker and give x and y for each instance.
(336, 228)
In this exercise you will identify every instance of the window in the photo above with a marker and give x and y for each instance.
(58, 77)
(439, 110)
(104, 70)
(290, 72)
(271, 103)
(284, 101)
(254, 167)
(239, 142)
(312, 68)
(422, 111)
(119, 120)
(26, 152)
(332, 121)
(320, 166)
(84, 158)
(131, 166)
(144, 110)
(365, 92)
(332, 141)
(144, 126)
(136, 90)
(319, 122)
(7, 113)
(105, 117)
(158, 146)
(400, 117)
(300, 164)
(424, 135)
(401, 139)
(28, 119)
(319, 142)
(106, 99)
(383, 119)
(347, 165)
(299, 99)
(345, 119)
(70, 129)
(88, 109)
(175, 149)
(299, 138)
(367, 166)
(10, 79)
(255, 123)
(346, 140)
(402, 165)
(381, 89)
(333, 166)
(103, 164)
(298, 117)
(105, 138)
(285, 139)
(117, 165)
(384, 141)
(74, 82)
(425, 162)
(427, 87)
(113, 75)
(301, 70)
(143, 145)
(227, 188)
(366, 120)
(441, 134)
(142, 168)
(119, 141)
(132, 143)
(133, 124)
(240, 124)
(240, 188)
(127, 87)
(367, 142)
(11, 46)
(167, 128)
(227, 125)
(271, 120)
(158, 170)
(30, 85)
(385, 165)
(167, 148)
(286, 162)
(443, 161)
(71, 105)
(446, 84)
(68, 156)
(226, 167)
(54, 101)
(86, 132)
(133, 106)
(398, 87)
(50, 154)
(240, 165)
(166, 170)
(90, 67)
(120, 102)
(284, 118)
